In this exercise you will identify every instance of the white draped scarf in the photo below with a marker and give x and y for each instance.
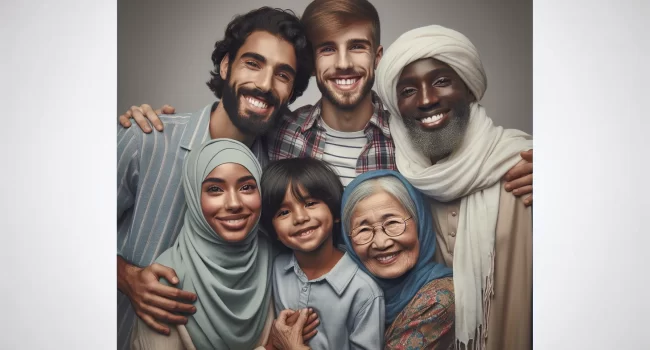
(472, 172)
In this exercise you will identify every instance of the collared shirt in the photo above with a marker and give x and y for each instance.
(150, 199)
(301, 134)
(349, 304)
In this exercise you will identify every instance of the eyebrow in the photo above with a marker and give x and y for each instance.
(282, 66)
(383, 218)
(349, 42)
(222, 181)
(412, 80)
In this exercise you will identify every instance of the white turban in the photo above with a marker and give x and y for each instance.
(472, 172)
(445, 45)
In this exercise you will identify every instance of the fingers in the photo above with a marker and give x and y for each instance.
(124, 120)
(153, 324)
(307, 337)
(527, 155)
(526, 189)
(169, 304)
(171, 292)
(163, 271)
(521, 169)
(528, 201)
(152, 116)
(519, 183)
(282, 317)
(310, 326)
(166, 109)
(302, 319)
(161, 315)
(291, 320)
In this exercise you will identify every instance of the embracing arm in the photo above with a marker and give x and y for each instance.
(520, 178)
(154, 302)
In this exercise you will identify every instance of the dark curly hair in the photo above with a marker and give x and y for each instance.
(282, 23)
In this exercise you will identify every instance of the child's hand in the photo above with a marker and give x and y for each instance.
(309, 331)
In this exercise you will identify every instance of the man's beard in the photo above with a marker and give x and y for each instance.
(251, 123)
(439, 143)
(342, 104)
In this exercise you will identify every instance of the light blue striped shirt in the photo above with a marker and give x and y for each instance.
(150, 198)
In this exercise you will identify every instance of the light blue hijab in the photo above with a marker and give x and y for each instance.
(230, 279)
(398, 292)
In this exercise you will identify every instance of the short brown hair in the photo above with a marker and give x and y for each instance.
(323, 16)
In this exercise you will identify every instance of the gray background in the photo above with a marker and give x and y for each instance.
(164, 48)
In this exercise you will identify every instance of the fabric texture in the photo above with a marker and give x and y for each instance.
(302, 134)
(511, 313)
(398, 292)
(349, 303)
(472, 172)
(427, 322)
(231, 280)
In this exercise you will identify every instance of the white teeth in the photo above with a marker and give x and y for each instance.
(345, 81)
(432, 119)
(385, 258)
(256, 102)
(306, 233)
(234, 221)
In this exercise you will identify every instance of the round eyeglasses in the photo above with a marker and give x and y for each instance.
(392, 227)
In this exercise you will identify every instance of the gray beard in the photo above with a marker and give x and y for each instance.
(439, 143)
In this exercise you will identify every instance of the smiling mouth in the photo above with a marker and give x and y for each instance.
(345, 83)
(386, 259)
(304, 233)
(256, 103)
(236, 223)
(434, 120)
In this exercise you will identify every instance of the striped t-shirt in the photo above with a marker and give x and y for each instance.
(342, 150)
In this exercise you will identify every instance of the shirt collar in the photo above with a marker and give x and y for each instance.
(338, 278)
(379, 117)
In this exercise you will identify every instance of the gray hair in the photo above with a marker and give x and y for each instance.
(389, 184)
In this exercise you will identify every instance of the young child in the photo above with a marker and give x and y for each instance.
(301, 205)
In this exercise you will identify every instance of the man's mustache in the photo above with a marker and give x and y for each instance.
(340, 72)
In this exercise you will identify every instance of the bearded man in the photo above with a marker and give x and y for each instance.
(431, 80)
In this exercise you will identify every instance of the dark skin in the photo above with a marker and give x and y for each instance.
(429, 87)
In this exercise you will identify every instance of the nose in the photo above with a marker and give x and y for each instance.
(427, 99)
(300, 216)
(265, 79)
(381, 241)
(233, 202)
(343, 60)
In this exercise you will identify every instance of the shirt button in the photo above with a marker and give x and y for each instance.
(452, 233)
(304, 289)
(453, 213)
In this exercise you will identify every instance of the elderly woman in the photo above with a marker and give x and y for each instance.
(388, 230)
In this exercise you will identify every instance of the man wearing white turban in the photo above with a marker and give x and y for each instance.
(431, 79)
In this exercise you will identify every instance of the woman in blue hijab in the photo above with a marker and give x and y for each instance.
(388, 230)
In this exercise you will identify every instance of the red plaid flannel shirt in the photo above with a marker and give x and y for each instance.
(301, 134)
